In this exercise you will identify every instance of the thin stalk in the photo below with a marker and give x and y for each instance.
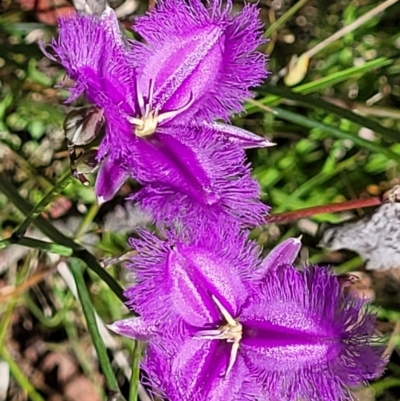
(134, 383)
(333, 131)
(285, 17)
(101, 351)
(41, 206)
(285, 217)
(76, 345)
(38, 244)
(88, 219)
(320, 84)
(20, 377)
(349, 266)
(52, 322)
(50, 231)
(10, 306)
(351, 27)
(318, 103)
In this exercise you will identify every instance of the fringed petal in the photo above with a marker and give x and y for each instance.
(283, 254)
(176, 278)
(92, 51)
(239, 136)
(306, 340)
(199, 55)
(194, 371)
(195, 177)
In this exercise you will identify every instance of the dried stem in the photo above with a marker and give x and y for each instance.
(285, 217)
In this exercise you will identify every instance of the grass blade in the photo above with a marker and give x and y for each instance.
(101, 351)
(48, 229)
(321, 83)
(333, 131)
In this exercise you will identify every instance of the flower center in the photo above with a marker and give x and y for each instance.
(150, 116)
(232, 332)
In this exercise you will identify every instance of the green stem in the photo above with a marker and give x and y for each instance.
(319, 84)
(52, 322)
(351, 27)
(10, 306)
(88, 219)
(285, 17)
(39, 208)
(76, 345)
(134, 383)
(38, 244)
(50, 231)
(20, 377)
(318, 103)
(335, 132)
(318, 179)
(88, 311)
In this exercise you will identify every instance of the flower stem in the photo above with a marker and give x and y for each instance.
(50, 231)
(41, 206)
(20, 377)
(83, 294)
(134, 383)
(285, 17)
(38, 244)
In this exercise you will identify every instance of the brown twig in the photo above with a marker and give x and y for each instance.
(285, 217)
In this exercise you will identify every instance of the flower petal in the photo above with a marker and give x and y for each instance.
(200, 54)
(194, 371)
(109, 180)
(284, 253)
(92, 51)
(176, 278)
(239, 136)
(197, 274)
(195, 177)
(306, 339)
(135, 327)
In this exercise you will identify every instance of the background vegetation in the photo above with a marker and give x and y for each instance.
(337, 135)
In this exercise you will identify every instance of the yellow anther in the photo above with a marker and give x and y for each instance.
(232, 332)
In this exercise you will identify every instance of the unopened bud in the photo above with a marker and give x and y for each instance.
(347, 279)
(87, 162)
(82, 125)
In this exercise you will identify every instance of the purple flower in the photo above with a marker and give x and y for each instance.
(160, 102)
(200, 59)
(222, 324)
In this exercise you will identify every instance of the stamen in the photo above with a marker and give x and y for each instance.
(230, 320)
(231, 332)
(140, 99)
(151, 93)
(209, 334)
(232, 359)
(147, 124)
(174, 113)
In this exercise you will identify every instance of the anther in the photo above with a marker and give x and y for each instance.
(231, 332)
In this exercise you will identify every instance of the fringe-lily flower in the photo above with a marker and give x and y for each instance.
(217, 318)
(161, 101)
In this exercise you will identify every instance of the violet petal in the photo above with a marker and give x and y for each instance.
(135, 327)
(239, 136)
(284, 253)
(307, 339)
(109, 180)
(202, 54)
(195, 177)
(197, 368)
(175, 279)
